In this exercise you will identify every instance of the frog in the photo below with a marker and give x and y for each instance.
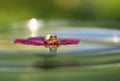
(52, 40)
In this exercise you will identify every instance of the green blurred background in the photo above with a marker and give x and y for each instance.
(15, 10)
(85, 12)
(23, 63)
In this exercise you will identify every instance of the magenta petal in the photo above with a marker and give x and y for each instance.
(31, 41)
(39, 41)
(21, 41)
(69, 41)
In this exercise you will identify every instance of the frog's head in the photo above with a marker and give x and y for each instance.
(53, 38)
(47, 37)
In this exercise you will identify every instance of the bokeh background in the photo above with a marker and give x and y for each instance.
(95, 23)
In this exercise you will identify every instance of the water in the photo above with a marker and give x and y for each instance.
(91, 39)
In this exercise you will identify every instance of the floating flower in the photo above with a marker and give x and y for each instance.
(40, 41)
(52, 42)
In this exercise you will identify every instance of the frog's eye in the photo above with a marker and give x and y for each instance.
(50, 36)
(55, 36)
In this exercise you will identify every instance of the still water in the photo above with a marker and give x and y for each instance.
(92, 40)
(95, 58)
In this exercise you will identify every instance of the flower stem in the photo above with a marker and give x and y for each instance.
(53, 49)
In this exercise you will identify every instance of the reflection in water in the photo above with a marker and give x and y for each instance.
(34, 25)
(115, 38)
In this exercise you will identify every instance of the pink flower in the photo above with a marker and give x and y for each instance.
(40, 41)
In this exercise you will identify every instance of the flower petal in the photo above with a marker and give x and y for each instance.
(40, 41)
